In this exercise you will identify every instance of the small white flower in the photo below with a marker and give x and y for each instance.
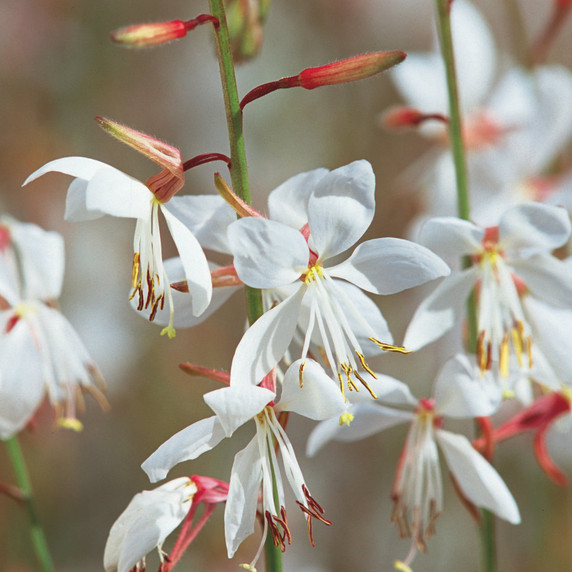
(255, 465)
(39, 350)
(272, 255)
(509, 260)
(145, 524)
(100, 189)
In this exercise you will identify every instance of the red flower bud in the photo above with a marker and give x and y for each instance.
(146, 35)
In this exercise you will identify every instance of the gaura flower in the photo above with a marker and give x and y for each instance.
(509, 260)
(40, 352)
(272, 255)
(417, 489)
(100, 189)
(152, 515)
(255, 465)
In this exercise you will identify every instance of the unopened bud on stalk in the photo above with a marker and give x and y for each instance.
(343, 71)
(402, 117)
(246, 27)
(156, 33)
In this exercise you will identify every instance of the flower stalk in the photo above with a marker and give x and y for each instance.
(38, 538)
(487, 529)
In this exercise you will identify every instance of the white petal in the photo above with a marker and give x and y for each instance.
(244, 486)
(369, 419)
(477, 478)
(267, 254)
(21, 382)
(266, 341)
(452, 236)
(341, 208)
(80, 167)
(534, 227)
(41, 256)
(235, 406)
(388, 390)
(207, 217)
(318, 398)
(458, 392)
(185, 445)
(194, 261)
(288, 203)
(390, 265)
(76, 207)
(441, 310)
(547, 278)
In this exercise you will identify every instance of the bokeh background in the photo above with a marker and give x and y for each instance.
(58, 70)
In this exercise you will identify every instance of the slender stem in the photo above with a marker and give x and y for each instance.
(23, 479)
(240, 186)
(238, 168)
(487, 533)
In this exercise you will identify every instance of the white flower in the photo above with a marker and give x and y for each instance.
(39, 349)
(417, 490)
(508, 260)
(145, 524)
(271, 255)
(100, 189)
(256, 464)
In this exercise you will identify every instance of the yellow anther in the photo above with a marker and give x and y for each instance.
(364, 383)
(70, 423)
(528, 343)
(504, 357)
(22, 310)
(508, 393)
(346, 418)
(567, 393)
(401, 566)
(390, 347)
(341, 382)
(517, 343)
(135, 272)
(364, 364)
(313, 273)
(301, 374)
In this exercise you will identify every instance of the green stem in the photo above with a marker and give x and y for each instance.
(23, 479)
(487, 533)
(238, 168)
(240, 185)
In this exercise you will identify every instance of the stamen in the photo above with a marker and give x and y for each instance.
(279, 537)
(504, 357)
(390, 347)
(301, 374)
(361, 358)
(313, 510)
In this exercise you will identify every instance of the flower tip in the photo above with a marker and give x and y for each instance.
(148, 35)
(346, 418)
(70, 423)
(401, 566)
(170, 331)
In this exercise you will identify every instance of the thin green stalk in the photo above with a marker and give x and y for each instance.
(38, 539)
(487, 532)
(240, 185)
(238, 168)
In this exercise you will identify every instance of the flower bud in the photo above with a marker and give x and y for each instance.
(351, 69)
(146, 35)
(245, 27)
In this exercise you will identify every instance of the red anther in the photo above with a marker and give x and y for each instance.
(491, 237)
(427, 404)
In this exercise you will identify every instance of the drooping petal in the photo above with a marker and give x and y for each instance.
(369, 419)
(266, 341)
(477, 478)
(21, 383)
(441, 310)
(288, 203)
(244, 486)
(80, 167)
(390, 265)
(187, 444)
(207, 217)
(341, 208)
(547, 278)
(193, 259)
(452, 236)
(267, 254)
(146, 522)
(458, 392)
(234, 406)
(531, 228)
(318, 398)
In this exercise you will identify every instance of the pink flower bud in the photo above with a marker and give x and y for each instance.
(351, 69)
(401, 117)
(145, 35)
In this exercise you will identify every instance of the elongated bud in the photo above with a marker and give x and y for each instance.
(157, 33)
(352, 69)
(241, 208)
(246, 27)
(402, 117)
(172, 178)
(343, 71)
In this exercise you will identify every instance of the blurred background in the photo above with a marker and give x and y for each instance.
(58, 70)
